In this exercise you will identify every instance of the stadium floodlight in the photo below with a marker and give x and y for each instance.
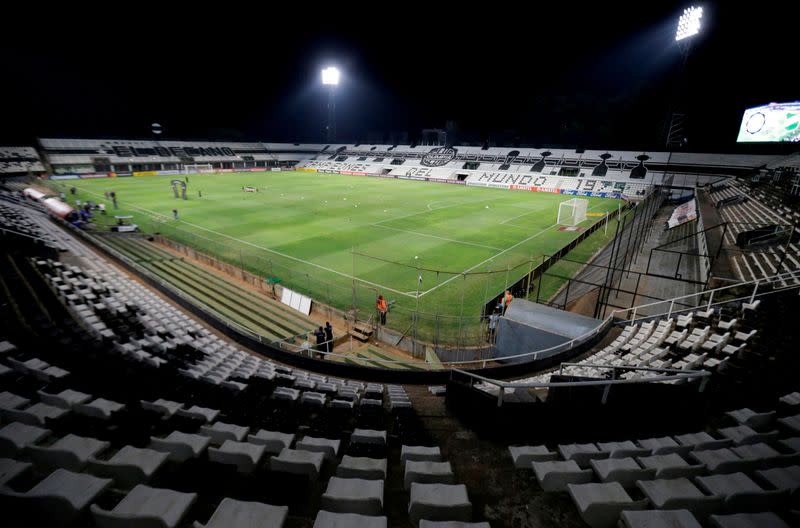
(330, 76)
(689, 23)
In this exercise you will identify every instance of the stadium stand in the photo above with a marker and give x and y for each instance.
(20, 160)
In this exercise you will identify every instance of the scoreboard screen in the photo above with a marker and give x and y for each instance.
(774, 122)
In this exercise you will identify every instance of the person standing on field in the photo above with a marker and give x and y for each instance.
(382, 307)
(328, 337)
(175, 214)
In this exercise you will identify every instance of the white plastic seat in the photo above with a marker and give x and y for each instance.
(298, 462)
(66, 399)
(524, 455)
(658, 519)
(439, 502)
(326, 519)
(328, 447)
(741, 493)
(17, 436)
(427, 472)
(11, 469)
(99, 408)
(71, 452)
(353, 495)
(181, 446)
(362, 467)
(240, 514)
(624, 471)
(748, 520)
(146, 506)
(408, 452)
(245, 456)
(129, 466)
(751, 418)
(368, 436)
(555, 475)
(273, 441)
(600, 505)
(680, 493)
(671, 466)
(220, 431)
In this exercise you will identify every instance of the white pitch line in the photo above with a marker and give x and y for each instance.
(493, 257)
(520, 216)
(381, 286)
(429, 210)
(438, 237)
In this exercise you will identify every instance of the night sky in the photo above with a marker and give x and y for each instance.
(597, 76)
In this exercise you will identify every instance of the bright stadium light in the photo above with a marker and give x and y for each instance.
(689, 23)
(330, 78)
(330, 75)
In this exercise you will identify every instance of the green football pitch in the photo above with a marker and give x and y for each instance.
(443, 250)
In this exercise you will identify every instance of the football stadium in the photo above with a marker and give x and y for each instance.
(312, 310)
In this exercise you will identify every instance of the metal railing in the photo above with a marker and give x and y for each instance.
(668, 375)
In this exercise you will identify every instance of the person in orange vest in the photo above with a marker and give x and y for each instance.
(507, 298)
(380, 304)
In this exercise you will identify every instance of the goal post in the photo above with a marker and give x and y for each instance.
(197, 168)
(572, 212)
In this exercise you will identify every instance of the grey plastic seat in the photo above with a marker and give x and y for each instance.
(362, 467)
(600, 505)
(11, 469)
(36, 414)
(555, 475)
(782, 478)
(671, 466)
(220, 431)
(146, 506)
(314, 399)
(9, 400)
(408, 452)
(702, 440)
(298, 462)
(71, 452)
(99, 408)
(624, 471)
(581, 453)
(664, 445)
(17, 436)
(328, 447)
(162, 406)
(346, 495)
(240, 514)
(66, 399)
(439, 502)
(524, 455)
(751, 418)
(748, 520)
(741, 493)
(326, 519)
(624, 449)
(427, 472)
(58, 499)
(199, 413)
(723, 461)
(273, 441)
(658, 519)
(245, 456)
(680, 493)
(743, 435)
(368, 436)
(181, 446)
(424, 523)
(129, 466)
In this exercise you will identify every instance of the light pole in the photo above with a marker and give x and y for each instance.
(689, 25)
(330, 78)
(416, 308)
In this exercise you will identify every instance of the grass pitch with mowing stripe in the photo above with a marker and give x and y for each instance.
(315, 232)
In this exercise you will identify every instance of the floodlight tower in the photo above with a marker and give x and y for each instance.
(330, 78)
(689, 25)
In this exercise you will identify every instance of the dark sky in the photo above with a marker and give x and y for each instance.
(593, 76)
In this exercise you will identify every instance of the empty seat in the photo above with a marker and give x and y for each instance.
(181, 446)
(624, 449)
(664, 445)
(129, 466)
(408, 452)
(240, 514)
(56, 500)
(368, 436)
(36, 414)
(326, 446)
(71, 452)
(785, 478)
(741, 493)
(361, 467)
(742, 434)
(748, 520)
(298, 462)
(162, 406)
(751, 418)
(11, 469)
(219, 432)
(524, 455)
(146, 506)
(199, 413)
(353, 495)
(680, 493)
(273, 441)
(671, 466)
(702, 440)
(600, 505)
(439, 502)
(555, 475)
(245, 456)
(581, 453)
(326, 519)
(723, 460)
(16, 436)
(624, 471)
(66, 399)
(427, 472)
(99, 408)
(424, 523)
(658, 519)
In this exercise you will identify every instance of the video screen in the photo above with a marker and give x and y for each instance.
(774, 122)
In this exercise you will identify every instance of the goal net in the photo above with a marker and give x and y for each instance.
(572, 212)
(196, 168)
